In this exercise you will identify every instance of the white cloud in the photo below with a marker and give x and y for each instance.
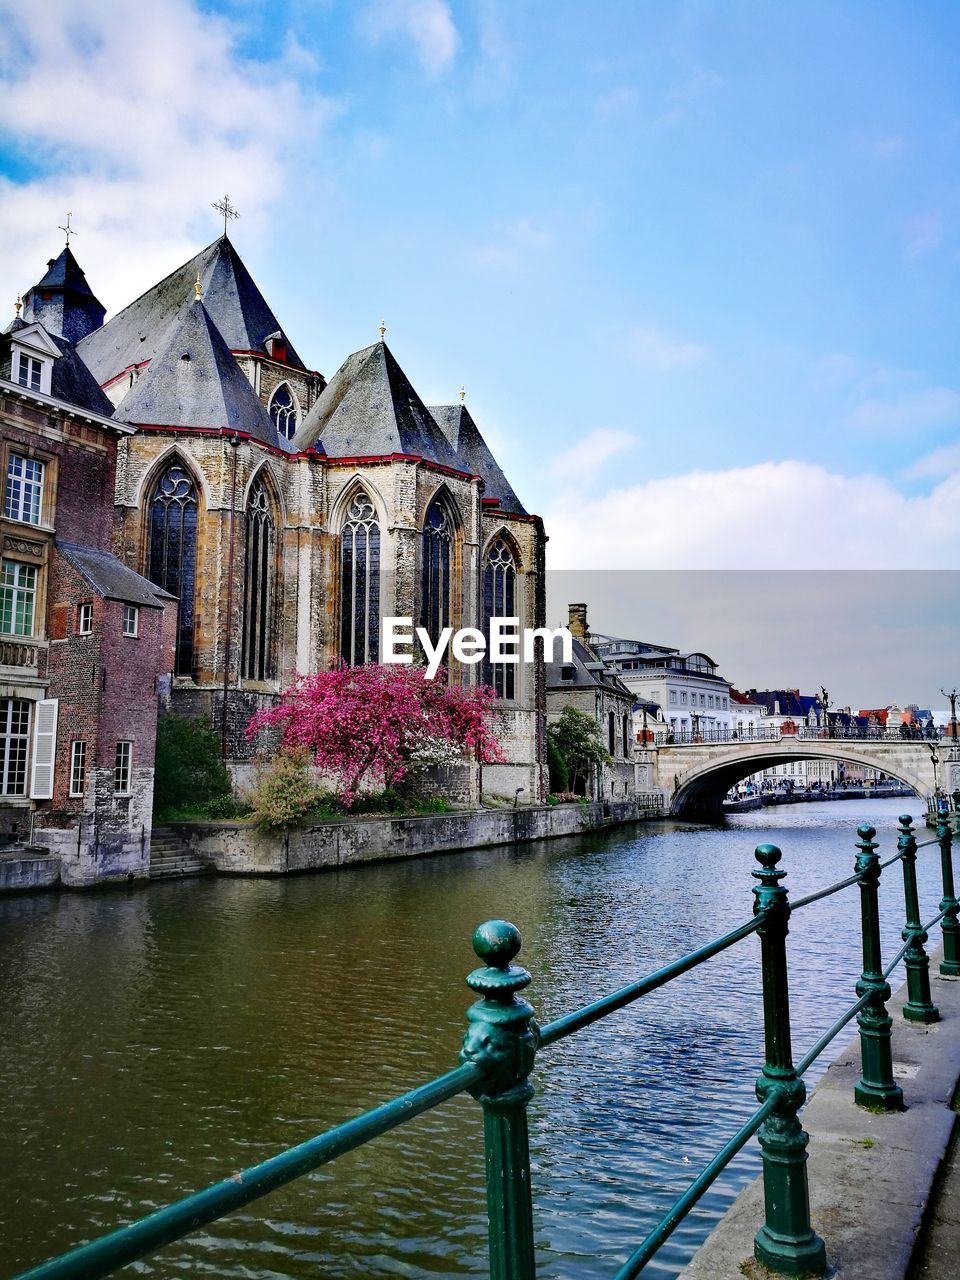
(586, 458)
(513, 243)
(922, 235)
(775, 515)
(427, 24)
(652, 349)
(925, 408)
(139, 117)
(938, 463)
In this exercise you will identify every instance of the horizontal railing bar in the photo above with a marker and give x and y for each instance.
(923, 844)
(823, 893)
(810, 1057)
(668, 1224)
(580, 1018)
(897, 958)
(127, 1244)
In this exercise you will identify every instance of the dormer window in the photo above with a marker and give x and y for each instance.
(32, 353)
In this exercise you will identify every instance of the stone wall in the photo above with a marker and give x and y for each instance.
(240, 849)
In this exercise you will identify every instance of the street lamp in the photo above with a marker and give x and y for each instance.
(825, 703)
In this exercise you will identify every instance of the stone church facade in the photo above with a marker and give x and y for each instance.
(289, 514)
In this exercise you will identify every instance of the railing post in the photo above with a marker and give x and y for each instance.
(876, 1088)
(950, 964)
(786, 1242)
(919, 1006)
(502, 1038)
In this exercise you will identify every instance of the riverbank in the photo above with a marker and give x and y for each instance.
(771, 799)
(239, 848)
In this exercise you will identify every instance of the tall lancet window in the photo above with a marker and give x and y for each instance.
(283, 410)
(258, 586)
(360, 583)
(500, 601)
(173, 551)
(437, 559)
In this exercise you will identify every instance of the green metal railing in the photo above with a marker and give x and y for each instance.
(502, 1040)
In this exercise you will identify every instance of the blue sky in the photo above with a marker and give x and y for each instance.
(696, 263)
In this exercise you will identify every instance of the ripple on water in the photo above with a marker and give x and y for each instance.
(159, 1040)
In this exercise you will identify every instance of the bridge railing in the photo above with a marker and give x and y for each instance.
(803, 732)
(500, 1047)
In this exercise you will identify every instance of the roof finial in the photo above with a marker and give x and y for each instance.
(17, 305)
(383, 329)
(69, 230)
(198, 287)
(463, 394)
(226, 208)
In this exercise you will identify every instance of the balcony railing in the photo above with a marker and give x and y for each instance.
(21, 653)
(803, 732)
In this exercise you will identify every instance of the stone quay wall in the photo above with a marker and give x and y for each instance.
(239, 848)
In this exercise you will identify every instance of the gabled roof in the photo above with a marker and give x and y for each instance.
(587, 672)
(70, 380)
(110, 577)
(474, 454)
(141, 329)
(370, 409)
(194, 381)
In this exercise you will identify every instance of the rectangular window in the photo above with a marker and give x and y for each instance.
(78, 767)
(121, 768)
(131, 619)
(85, 619)
(22, 500)
(14, 745)
(18, 593)
(703, 700)
(683, 697)
(28, 372)
(673, 697)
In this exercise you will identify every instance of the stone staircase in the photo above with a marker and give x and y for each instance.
(171, 858)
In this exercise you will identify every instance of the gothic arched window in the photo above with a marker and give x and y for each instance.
(283, 410)
(360, 583)
(258, 586)
(173, 551)
(499, 601)
(437, 559)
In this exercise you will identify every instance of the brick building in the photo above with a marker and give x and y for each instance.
(287, 514)
(84, 641)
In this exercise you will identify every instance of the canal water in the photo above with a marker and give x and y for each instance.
(156, 1040)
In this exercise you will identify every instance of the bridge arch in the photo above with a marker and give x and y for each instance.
(699, 780)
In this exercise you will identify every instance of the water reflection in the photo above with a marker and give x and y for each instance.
(157, 1040)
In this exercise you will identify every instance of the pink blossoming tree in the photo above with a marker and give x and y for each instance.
(367, 725)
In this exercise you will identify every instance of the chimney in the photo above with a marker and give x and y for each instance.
(578, 621)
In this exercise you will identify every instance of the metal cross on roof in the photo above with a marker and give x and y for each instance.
(226, 208)
(69, 230)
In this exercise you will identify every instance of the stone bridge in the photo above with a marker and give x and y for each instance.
(695, 776)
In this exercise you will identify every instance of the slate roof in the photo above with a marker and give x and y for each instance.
(142, 329)
(65, 273)
(194, 381)
(470, 447)
(370, 409)
(110, 578)
(71, 381)
(588, 672)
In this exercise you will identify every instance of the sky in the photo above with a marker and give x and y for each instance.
(695, 263)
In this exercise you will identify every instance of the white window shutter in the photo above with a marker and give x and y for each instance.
(44, 749)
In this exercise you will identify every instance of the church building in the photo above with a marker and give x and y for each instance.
(287, 514)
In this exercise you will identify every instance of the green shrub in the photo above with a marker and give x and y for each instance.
(557, 767)
(189, 770)
(284, 791)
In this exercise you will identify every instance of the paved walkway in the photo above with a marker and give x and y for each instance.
(873, 1178)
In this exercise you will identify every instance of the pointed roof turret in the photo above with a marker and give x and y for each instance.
(370, 409)
(63, 302)
(238, 308)
(194, 382)
(473, 452)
